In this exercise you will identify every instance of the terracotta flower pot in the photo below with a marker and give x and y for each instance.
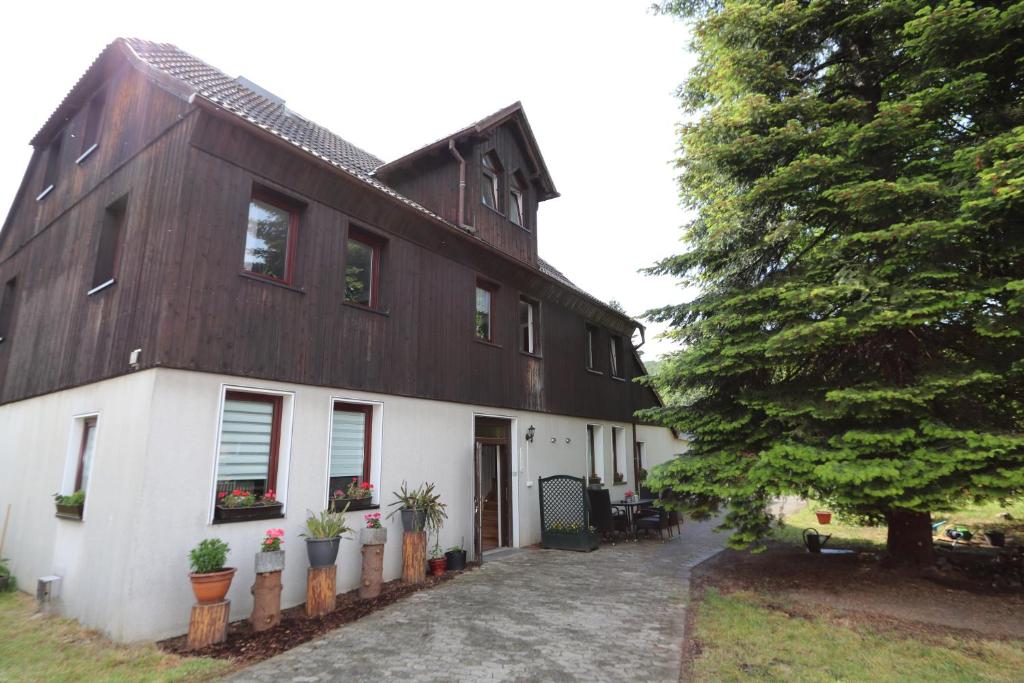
(438, 565)
(212, 587)
(823, 517)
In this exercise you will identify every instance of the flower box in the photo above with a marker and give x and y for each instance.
(338, 504)
(247, 513)
(70, 511)
(583, 541)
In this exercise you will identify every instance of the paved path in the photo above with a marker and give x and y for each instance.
(538, 615)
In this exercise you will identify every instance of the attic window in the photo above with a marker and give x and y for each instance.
(270, 237)
(516, 207)
(490, 181)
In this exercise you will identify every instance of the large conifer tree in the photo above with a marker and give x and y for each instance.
(856, 173)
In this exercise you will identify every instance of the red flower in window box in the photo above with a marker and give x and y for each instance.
(358, 495)
(240, 505)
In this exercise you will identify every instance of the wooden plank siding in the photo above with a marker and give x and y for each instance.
(182, 299)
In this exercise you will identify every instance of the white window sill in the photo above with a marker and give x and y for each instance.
(101, 287)
(86, 153)
(48, 190)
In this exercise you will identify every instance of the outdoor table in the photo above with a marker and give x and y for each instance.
(631, 506)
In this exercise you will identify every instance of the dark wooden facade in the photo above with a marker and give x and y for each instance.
(188, 171)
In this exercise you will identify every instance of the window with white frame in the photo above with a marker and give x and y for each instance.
(595, 453)
(618, 452)
(529, 324)
(490, 180)
(81, 453)
(351, 453)
(249, 452)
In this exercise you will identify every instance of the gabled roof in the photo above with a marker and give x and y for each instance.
(513, 113)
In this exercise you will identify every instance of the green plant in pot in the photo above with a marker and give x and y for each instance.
(421, 508)
(210, 578)
(438, 561)
(70, 506)
(456, 556)
(323, 536)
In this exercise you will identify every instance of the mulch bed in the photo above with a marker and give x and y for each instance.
(245, 646)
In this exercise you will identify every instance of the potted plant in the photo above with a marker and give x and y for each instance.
(240, 505)
(357, 496)
(629, 495)
(210, 578)
(456, 557)
(569, 536)
(619, 478)
(824, 516)
(421, 508)
(438, 561)
(594, 482)
(270, 558)
(374, 533)
(70, 506)
(323, 536)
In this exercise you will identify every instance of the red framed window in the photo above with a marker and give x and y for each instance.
(250, 441)
(351, 439)
(362, 269)
(484, 318)
(270, 236)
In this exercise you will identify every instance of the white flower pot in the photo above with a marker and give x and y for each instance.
(272, 561)
(375, 536)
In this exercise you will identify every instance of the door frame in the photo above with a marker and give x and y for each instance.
(515, 459)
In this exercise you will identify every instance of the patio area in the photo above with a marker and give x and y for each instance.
(611, 614)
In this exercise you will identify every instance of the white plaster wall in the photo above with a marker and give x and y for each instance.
(93, 556)
(661, 445)
(151, 489)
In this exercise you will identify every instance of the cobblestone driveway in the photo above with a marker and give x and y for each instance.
(539, 615)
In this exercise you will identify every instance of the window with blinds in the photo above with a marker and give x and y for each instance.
(249, 435)
(350, 445)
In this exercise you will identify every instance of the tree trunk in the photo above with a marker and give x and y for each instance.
(321, 590)
(909, 541)
(208, 624)
(414, 556)
(266, 604)
(373, 571)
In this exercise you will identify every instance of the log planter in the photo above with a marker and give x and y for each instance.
(70, 511)
(321, 593)
(373, 562)
(245, 514)
(208, 624)
(414, 556)
(266, 603)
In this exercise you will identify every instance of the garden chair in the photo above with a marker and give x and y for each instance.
(603, 517)
(657, 522)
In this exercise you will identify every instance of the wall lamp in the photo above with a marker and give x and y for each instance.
(530, 431)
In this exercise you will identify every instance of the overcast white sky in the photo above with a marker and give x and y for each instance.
(596, 79)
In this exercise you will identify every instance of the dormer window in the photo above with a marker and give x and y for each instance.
(490, 181)
(516, 206)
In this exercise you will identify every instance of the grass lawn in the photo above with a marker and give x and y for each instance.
(745, 639)
(45, 648)
(977, 518)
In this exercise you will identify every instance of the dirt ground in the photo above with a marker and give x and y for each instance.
(858, 588)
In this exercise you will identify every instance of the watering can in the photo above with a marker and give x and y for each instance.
(815, 541)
